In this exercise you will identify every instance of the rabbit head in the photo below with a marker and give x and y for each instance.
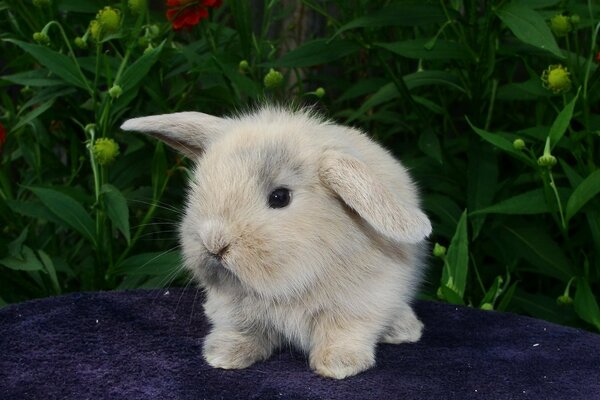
(280, 200)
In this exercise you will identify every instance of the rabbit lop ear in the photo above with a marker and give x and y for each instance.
(187, 132)
(362, 191)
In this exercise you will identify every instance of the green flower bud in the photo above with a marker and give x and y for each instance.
(41, 38)
(575, 19)
(105, 151)
(137, 6)
(556, 78)
(95, 30)
(89, 128)
(115, 91)
(109, 19)
(80, 42)
(148, 49)
(547, 160)
(564, 300)
(560, 25)
(487, 306)
(153, 31)
(243, 66)
(439, 250)
(320, 92)
(518, 144)
(273, 79)
(143, 41)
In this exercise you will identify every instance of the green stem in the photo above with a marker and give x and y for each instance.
(488, 119)
(560, 208)
(130, 47)
(96, 76)
(209, 37)
(145, 222)
(72, 54)
(402, 88)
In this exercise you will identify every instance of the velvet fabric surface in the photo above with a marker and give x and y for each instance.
(147, 345)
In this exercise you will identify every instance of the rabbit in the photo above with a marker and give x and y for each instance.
(301, 232)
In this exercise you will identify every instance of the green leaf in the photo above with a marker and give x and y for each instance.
(507, 297)
(444, 207)
(26, 261)
(430, 105)
(456, 263)
(493, 292)
(430, 145)
(528, 26)
(449, 294)
(585, 303)
(61, 65)
(36, 112)
(160, 263)
(443, 49)
(540, 3)
(433, 78)
(33, 209)
(482, 180)
(49, 266)
(33, 78)
(361, 88)
(389, 91)
(562, 121)
(116, 209)
(398, 15)
(523, 91)
(535, 245)
(583, 193)
(137, 71)
(500, 142)
(319, 51)
(239, 81)
(159, 170)
(540, 306)
(532, 202)
(68, 210)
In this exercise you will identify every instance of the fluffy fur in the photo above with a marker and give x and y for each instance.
(332, 273)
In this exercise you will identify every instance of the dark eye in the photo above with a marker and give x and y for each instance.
(280, 198)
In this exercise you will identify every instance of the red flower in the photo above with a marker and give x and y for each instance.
(188, 13)
(598, 57)
(2, 135)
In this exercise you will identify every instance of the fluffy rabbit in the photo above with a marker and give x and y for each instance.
(300, 231)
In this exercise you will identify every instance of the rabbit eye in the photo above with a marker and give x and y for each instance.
(280, 198)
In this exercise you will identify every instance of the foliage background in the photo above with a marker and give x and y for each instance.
(446, 85)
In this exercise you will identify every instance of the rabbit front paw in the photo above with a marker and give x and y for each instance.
(233, 350)
(406, 329)
(340, 363)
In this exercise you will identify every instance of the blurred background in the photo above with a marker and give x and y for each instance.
(493, 105)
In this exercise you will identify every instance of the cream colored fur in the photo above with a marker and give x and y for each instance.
(333, 273)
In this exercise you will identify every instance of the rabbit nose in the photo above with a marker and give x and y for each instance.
(215, 239)
(220, 253)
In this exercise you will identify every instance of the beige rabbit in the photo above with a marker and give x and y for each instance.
(300, 231)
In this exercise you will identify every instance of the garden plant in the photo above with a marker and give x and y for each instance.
(494, 105)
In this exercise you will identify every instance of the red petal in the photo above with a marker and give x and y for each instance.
(2, 135)
(171, 14)
(212, 3)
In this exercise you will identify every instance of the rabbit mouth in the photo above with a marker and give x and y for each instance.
(216, 272)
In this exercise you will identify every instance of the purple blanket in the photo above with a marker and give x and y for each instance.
(147, 344)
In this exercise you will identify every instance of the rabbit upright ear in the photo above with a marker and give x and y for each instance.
(362, 191)
(187, 132)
